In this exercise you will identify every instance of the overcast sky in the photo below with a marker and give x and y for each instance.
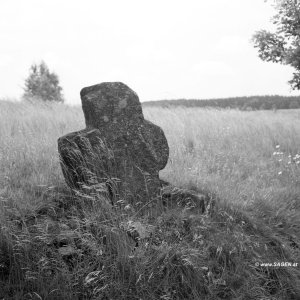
(162, 49)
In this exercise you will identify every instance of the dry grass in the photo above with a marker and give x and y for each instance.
(244, 157)
(28, 152)
(249, 160)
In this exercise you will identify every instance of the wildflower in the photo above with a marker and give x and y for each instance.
(279, 173)
(127, 207)
(277, 146)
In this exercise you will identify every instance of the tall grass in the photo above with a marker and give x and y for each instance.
(244, 157)
(66, 249)
(28, 150)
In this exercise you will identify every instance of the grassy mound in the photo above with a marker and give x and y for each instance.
(72, 247)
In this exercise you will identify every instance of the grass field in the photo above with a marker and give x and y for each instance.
(244, 157)
(249, 160)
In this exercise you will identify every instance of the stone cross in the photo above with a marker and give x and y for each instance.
(118, 147)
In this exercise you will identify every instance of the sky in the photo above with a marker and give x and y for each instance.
(162, 49)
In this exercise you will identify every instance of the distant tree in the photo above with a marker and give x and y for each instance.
(283, 45)
(294, 105)
(262, 107)
(42, 84)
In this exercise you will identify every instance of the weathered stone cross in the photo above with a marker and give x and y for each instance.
(118, 146)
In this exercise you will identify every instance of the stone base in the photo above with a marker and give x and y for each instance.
(88, 161)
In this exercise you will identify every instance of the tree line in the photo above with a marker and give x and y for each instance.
(242, 103)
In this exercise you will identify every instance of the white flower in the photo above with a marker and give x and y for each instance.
(277, 146)
(279, 173)
(127, 207)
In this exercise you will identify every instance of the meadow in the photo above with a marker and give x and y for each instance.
(249, 161)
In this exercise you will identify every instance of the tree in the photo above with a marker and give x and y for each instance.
(282, 46)
(42, 84)
(294, 104)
